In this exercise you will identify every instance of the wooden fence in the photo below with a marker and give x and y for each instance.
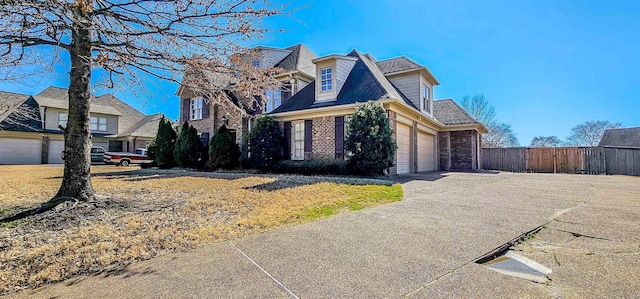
(586, 160)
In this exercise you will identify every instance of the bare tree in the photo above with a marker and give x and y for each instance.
(126, 38)
(500, 135)
(545, 141)
(479, 108)
(589, 133)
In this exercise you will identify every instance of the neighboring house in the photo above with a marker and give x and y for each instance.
(621, 138)
(430, 135)
(237, 112)
(30, 133)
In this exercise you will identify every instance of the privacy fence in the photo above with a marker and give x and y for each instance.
(585, 160)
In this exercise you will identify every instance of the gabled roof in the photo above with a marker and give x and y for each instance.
(365, 82)
(9, 101)
(299, 59)
(25, 116)
(448, 112)
(146, 127)
(403, 64)
(398, 64)
(129, 115)
(63, 104)
(625, 137)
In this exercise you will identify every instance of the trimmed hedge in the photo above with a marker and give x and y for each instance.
(311, 167)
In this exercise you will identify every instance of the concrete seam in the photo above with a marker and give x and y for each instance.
(264, 271)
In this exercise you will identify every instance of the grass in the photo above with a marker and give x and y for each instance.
(141, 214)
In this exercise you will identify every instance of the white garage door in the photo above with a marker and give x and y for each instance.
(55, 149)
(426, 154)
(404, 148)
(104, 145)
(20, 151)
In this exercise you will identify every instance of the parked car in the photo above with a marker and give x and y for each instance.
(126, 159)
(97, 154)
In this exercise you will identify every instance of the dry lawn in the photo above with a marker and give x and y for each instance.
(145, 213)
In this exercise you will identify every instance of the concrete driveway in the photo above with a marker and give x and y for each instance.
(423, 246)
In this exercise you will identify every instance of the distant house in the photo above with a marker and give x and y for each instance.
(29, 132)
(237, 112)
(621, 138)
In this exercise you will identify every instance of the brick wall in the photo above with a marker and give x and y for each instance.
(461, 150)
(443, 150)
(392, 124)
(215, 121)
(323, 136)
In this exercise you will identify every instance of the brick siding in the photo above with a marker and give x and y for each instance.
(323, 136)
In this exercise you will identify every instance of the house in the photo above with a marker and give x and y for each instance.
(621, 138)
(237, 112)
(430, 135)
(30, 133)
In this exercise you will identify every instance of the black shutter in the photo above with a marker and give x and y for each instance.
(308, 133)
(186, 106)
(340, 137)
(285, 92)
(287, 140)
(206, 103)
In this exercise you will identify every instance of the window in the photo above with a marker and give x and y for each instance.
(196, 108)
(425, 98)
(326, 79)
(298, 141)
(204, 138)
(98, 123)
(62, 119)
(255, 63)
(273, 99)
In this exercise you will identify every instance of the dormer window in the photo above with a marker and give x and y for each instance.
(425, 100)
(326, 79)
(273, 99)
(196, 108)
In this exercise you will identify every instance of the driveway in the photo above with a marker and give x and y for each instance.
(423, 246)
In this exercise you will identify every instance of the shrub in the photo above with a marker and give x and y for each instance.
(369, 143)
(188, 147)
(164, 145)
(311, 167)
(265, 143)
(224, 153)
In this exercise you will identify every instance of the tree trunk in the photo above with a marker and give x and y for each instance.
(76, 182)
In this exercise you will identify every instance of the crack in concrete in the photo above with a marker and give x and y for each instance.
(578, 235)
(502, 248)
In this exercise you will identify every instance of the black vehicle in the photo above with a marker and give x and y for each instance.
(97, 154)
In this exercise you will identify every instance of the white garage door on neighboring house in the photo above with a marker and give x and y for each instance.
(55, 150)
(403, 134)
(426, 151)
(104, 145)
(20, 151)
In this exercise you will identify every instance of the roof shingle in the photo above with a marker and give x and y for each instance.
(448, 112)
(625, 137)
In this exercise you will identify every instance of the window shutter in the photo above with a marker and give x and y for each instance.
(308, 135)
(186, 110)
(340, 137)
(206, 103)
(287, 140)
(286, 92)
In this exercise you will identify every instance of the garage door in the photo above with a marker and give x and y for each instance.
(404, 148)
(104, 145)
(426, 154)
(20, 151)
(55, 149)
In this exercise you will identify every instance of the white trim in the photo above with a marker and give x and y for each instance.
(293, 140)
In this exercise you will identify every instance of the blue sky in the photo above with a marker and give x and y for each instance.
(545, 65)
